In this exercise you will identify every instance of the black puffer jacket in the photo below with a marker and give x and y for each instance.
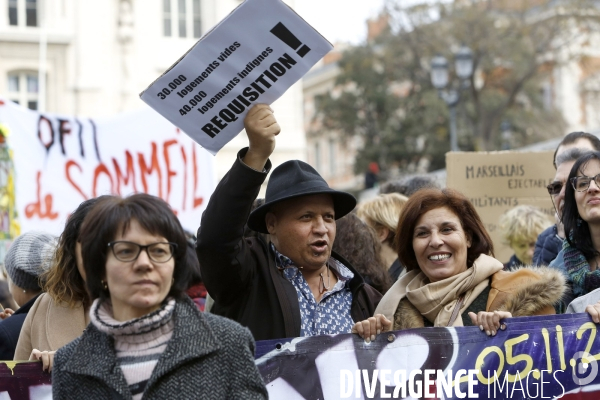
(547, 247)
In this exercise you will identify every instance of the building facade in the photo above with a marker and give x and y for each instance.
(99, 55)
(573, 89)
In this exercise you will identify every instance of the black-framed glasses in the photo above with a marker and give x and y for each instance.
(129, 251)
(582, 183)
(554, 188)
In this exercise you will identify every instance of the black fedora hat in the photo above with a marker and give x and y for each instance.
(294, 179)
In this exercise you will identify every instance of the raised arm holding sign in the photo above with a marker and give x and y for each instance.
(284, 287)
(262, 129)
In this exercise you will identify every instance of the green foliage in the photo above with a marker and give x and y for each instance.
(385, 97)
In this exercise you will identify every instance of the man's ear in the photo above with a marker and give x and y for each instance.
(271, 221)
(383, 233)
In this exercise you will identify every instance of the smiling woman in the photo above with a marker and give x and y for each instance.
(452, 278)
(142, 322)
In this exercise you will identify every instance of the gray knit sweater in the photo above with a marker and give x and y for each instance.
(208, 357)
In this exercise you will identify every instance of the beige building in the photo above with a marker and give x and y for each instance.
(100, 55)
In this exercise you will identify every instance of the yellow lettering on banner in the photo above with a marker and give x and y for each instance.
(461, 380)
(546, 337)
(512, 360)
(561, 347)
(11, 365)
(481, 360)
(592, 328)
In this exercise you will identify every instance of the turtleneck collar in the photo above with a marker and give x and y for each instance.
(143, 329)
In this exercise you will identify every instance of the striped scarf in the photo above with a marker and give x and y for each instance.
(138, 342)
(578, 269)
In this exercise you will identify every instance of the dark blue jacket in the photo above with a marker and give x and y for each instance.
(513, 263)
(547, 247)
(10, 328)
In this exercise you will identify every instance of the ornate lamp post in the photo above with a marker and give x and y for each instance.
(463, 67)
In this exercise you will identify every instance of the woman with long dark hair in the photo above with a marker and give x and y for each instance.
(579, 258)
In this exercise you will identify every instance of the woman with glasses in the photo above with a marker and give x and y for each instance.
(146, 338)
(550, 241)
(580, 255)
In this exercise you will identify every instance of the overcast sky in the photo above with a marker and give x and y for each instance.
(339, 20)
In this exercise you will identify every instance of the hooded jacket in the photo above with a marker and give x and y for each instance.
(240, 273)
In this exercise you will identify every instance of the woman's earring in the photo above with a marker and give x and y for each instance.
(104, 284)
(579, 221)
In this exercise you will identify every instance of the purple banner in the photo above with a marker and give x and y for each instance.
(534, 358)
(24, 380)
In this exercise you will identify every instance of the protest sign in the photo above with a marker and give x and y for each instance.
(534, 358)
(62, 160)
(253, 56)
(497, 181)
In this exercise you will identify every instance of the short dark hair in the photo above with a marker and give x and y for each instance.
(576, 229)
(112, 215)
(426, 200)
(575, 136)
(568, 155)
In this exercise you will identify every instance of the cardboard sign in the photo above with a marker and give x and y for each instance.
(495, 182)
(62, 160)
(253, 56)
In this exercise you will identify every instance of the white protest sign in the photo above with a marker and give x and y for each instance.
(253, 56)
(62, 160)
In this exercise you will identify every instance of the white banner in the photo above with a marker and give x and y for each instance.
(253, 56)
(62, 160)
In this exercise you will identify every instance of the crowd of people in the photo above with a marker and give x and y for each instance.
(115, 307)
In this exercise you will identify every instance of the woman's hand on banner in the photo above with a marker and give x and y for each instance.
(489, 321)
(594, 311)
(46, 357)
(371, 327)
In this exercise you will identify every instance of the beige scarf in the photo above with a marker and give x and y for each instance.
(436, 300)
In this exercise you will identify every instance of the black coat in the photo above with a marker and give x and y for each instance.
(10, 328)
(240, 273)
(208, 357)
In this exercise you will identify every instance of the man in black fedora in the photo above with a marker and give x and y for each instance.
(294, 285)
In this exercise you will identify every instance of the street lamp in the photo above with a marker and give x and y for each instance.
(463, 65)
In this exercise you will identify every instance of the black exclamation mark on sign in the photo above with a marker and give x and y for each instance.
(288, 38)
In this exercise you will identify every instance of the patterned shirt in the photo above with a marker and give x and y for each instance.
(329, 316)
